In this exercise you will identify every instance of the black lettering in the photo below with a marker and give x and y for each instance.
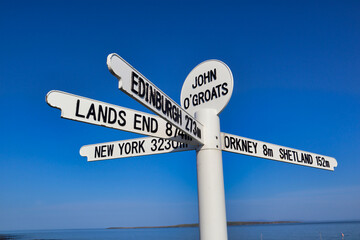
(310, 160)
(161, 141)
(245, 145)
(238, 146)
(121, 146)
(141, 87)
(213, 94)
(122, 120)
(168, 144)
(194, 85)
(195, 100)
(154, 125)
(147, 92)
(195, 128)
(232, 143)
(102, 114)
(200, 83)
(97, 151)
(318, 161)
(207, 95)
(306, 158)
(187, 119)
(112, 116)
(134, 147)
(141, 146)
(164, 106)
(322, 162)
(77, 109)
(296, 156)
(327, 164)
(103, 151)
(249, 146)
(168, 130)
(213, 74)
(110, 149)
(134, 82)
(158, 101)
(154, 146)
(179, 117)
(207, 77)
(175, 113)
(218, 89)
(224, 89)
(152, 96)
(255, 146)
(91, 112)
(288, 154)
(201, 97)
(136, 120)
(186, 103)
(175, 144)
(226, 141)
(281, 152)
(169, 109)
(127, 148)
(146, 124)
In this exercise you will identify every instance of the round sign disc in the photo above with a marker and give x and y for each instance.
(209, 85)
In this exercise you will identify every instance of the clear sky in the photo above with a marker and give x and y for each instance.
(296, 68)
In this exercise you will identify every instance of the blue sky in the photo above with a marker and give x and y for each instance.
(296, 68)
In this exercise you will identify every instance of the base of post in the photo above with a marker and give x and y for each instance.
(211, 194)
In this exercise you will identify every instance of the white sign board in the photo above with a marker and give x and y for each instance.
(103, 114)
(133, 83)
(132, 148)
(247, 146)
(209, 85)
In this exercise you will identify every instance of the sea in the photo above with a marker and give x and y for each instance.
(292, 231)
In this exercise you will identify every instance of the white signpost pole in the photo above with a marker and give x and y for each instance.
(205, 93)
(211, 194)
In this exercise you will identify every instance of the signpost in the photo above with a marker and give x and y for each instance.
(132, 148)
(91, 111)
(208, 86)
(250, 147)
(205, 93)
(133, 83)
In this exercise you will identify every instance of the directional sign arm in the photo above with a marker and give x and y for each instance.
(91, 111)
(132, 148)
(255, 148)
(134, 84)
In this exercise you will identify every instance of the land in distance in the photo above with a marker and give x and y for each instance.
(197, 225)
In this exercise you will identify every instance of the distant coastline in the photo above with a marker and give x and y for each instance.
(197, 225)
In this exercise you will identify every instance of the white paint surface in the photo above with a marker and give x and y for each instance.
(132, 148)
(133, 83)
(211, 194)
(98, 113)
(209, 85)
(255, 148)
